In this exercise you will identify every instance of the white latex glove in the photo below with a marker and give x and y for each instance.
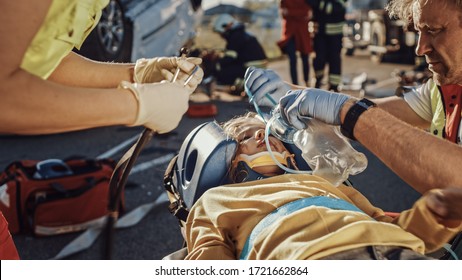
(153, 70)
(300, 105)
(160, 105)
(261, 83)
(192, 82)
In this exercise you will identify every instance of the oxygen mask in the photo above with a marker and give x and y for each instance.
(328, 153)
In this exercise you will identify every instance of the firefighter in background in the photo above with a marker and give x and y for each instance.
(242, 50)
(295, 36)
(327, 25)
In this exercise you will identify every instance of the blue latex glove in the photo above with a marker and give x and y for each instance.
(264, 87)
(300, 105)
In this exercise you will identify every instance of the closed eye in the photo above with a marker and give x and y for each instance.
(434, 31)
(244, 139)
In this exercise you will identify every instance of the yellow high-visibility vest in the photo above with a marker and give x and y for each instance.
(66, 25)
(440, 125)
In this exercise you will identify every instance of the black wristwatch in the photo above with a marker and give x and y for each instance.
(352, 116)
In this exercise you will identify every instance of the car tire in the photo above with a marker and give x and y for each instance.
(378, 38)
(111, 40)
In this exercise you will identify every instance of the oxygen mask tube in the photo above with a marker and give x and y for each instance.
(268, 148)
(269, 124)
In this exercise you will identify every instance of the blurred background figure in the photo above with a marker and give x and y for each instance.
(327, 24)
(295, 36)
(242, 50)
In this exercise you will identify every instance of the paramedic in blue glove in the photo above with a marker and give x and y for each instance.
(266, 214)
(47, 88)
(391, 129)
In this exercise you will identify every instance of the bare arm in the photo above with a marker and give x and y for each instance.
(422, 160)
(31, 105)
(400, 109)
(76, 70)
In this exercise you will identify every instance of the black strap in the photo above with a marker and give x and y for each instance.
(117, 184)
(62, 192)
(352, 116)
(177, 206)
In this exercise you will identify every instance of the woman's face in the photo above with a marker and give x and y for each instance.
(252, 141)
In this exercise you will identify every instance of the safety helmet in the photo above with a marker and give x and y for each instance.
(203, 161)
(222, 21)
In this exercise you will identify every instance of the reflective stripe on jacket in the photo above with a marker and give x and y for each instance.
(330, 15)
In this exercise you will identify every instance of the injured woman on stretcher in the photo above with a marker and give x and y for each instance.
(266, 214)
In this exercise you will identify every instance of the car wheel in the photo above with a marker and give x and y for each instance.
(378, 38)
(111, 40)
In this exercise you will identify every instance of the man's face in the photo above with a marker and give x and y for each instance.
(252, 141)
(439, 24)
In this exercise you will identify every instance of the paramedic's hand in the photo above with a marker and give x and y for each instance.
(446, 204)
(155, 69)
(160, 105)
(299, 105)
(260, 82)
(192, 82)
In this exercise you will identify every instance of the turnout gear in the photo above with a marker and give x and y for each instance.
(242, 50)
(222, 22)
(296, 36)
(329, 16)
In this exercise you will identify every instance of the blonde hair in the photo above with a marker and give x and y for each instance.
(235, 127)
(402, 9)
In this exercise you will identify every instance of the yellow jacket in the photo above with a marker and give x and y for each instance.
(66, 26)
(222, 219)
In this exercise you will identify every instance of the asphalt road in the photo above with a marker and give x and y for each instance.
(158, 233)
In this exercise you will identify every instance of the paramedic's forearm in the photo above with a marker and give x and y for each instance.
(400, 109)
(76, 70)
(422, 160)
(33, 106)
